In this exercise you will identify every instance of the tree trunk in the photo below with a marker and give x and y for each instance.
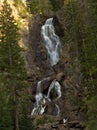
(16, 119)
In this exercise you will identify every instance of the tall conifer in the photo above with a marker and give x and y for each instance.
(12, 69)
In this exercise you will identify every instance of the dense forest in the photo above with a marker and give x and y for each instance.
(77, 28)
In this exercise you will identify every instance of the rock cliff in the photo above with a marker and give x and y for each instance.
(67, 72)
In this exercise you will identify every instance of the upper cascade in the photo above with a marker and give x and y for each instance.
(52, 41)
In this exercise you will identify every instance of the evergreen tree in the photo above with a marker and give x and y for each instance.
(83, 30)
(12, 70)
(57, 4)
(37, 7)
(90, 64)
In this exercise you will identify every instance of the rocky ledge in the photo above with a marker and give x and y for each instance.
(48, 122)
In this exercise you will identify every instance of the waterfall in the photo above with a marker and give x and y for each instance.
(52, 41)
(53, 46)
(39, 105)
(54, 85)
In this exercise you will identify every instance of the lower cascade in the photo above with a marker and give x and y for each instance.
(40, 104)
(53, 45)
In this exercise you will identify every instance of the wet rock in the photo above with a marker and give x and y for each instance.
(45, 85)
(50, 109)
(58, 27)
(76, 125)
(59, 67)
(44, 56)
(53, 94)
(33, 99)
(59, 76)
(54, 126)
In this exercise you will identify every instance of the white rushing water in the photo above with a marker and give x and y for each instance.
(53, 46)
(39, 105)
(52, 41)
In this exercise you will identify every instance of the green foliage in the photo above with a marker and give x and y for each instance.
(10, 52)
(37, 7)
(82, 29)
(40, 121)
(73, 22)
(5, 115)
(90, 67)
(75, 100)
(44, 7)
(51, 119)
(25, 123)
(57, 4)
(22, 9)
(12, 68)
(91, 103)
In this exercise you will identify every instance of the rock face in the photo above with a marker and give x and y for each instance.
(67, 72)
(58, 27)
(37, 60)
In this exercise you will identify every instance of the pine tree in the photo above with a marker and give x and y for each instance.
(57, 4)
(37, 7)
(90, 64)
(12, 69)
